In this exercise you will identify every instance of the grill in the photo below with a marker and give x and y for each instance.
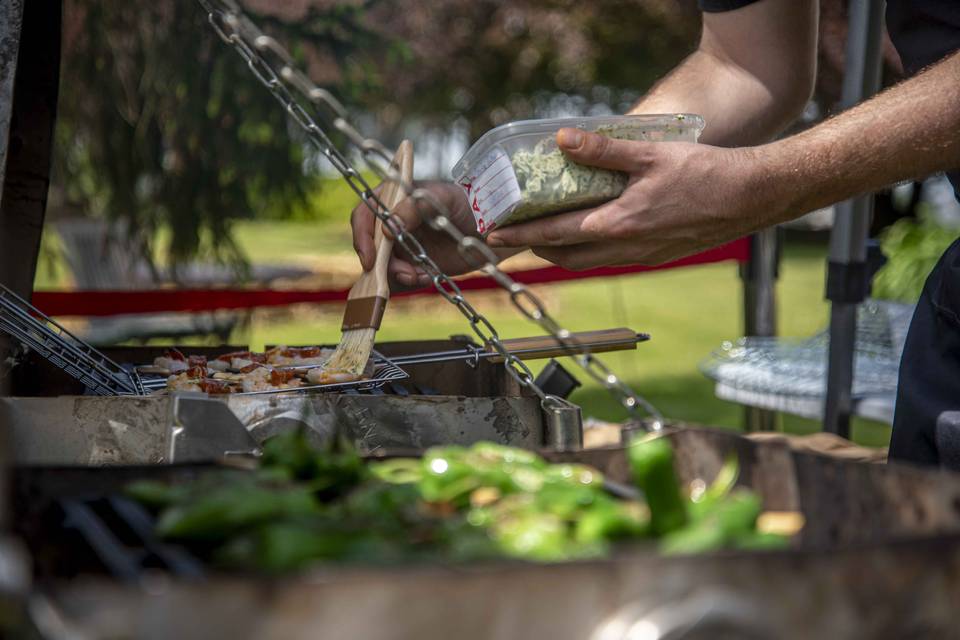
(871, 530)
(460, 400)
(448, 391)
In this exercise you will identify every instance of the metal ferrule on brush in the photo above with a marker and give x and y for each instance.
(364, 313)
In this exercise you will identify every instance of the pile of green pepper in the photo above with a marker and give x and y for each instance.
(716, 517)
(455, 503)
(528, 508)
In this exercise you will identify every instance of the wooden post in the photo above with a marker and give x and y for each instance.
(29, 76)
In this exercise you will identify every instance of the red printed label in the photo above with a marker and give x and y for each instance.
(492, 189)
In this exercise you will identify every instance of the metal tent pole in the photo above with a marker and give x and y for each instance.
(759, 277)
(846, 271)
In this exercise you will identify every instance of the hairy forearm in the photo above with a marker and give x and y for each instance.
(909, 131)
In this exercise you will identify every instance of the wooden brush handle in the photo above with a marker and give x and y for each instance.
(621, 339)
(391, 195)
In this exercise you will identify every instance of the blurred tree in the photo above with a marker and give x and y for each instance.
(489, 62)
(160, 125)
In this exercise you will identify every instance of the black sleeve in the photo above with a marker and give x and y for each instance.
(717, 6)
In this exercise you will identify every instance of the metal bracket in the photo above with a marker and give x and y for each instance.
(563, 424)
(206, 429)
(555, 380)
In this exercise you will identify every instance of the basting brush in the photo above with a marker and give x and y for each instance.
(368, 297)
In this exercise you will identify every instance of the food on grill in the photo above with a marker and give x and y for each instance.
(455, 503)
(282, 356)
(183, 382)
(298, 356)
(327, 376)
(515, 172)
(278, 369)
(195, 379)
(171, 360)
(262, 378)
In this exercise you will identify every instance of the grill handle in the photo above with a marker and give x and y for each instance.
(533, 348)
(600, 341)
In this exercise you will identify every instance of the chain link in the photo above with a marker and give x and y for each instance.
(235, 29)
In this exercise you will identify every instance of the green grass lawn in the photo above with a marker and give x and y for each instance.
(688, 312)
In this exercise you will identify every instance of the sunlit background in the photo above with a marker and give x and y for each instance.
(175, 168)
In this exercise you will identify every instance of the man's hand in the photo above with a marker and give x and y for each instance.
(680, 199)
(439, 246)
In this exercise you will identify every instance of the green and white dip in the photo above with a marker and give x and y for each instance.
(551, 183)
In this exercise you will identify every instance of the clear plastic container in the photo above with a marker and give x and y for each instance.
(516, 172)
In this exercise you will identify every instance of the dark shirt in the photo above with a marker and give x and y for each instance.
(923, 32)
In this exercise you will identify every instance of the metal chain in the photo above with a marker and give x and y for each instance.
(235, 29)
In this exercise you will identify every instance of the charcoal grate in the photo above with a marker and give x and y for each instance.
(120, 533)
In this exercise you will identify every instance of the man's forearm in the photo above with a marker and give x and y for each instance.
(738, 109)
(909, 131)
(751, 75)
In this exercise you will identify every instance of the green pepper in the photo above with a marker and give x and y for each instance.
(737, 513)
(329, 472)
(730, 520)
(462, 541)
(566, 501)
(397, 471)
(535, 536)
(492, 453)
(374, 546)
(219, 513)
(651, 461)
(721, 487)
(446, 477)
(291, 452)
(379, 499)
(610, 519)
(451, 452)
(156, 495)
(758, 541)
(282, 547)
(336, 473)
(701, 537)
(510, 478)
(573, 474)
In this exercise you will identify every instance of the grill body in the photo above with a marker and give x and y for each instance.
(449, 402)
(879, 558)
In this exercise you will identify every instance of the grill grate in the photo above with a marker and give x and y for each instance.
(98, 373)
(798, 368)
(120, 533)
(384, 371)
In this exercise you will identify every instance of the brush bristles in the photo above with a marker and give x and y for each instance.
(353, 351)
